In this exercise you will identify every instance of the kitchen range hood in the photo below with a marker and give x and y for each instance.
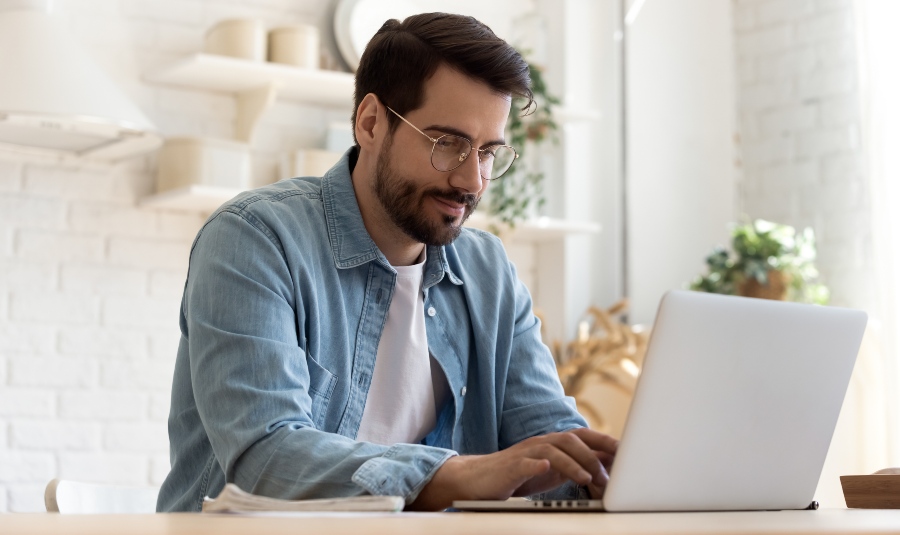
(55, 100)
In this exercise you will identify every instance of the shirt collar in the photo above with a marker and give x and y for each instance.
(351, 244)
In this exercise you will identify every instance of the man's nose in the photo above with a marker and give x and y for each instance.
(467, 176)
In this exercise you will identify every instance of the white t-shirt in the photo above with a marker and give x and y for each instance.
(401, 406)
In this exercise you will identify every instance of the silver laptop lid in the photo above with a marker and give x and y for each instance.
(736, 404)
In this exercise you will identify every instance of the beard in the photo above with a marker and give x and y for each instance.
(403, 201)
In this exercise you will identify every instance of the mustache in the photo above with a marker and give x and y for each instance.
(470, 200)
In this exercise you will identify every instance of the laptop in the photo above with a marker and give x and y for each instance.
(734, 409)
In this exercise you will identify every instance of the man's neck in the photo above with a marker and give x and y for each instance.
(402, 256)
(394, 244)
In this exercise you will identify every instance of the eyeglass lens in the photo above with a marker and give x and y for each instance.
(451, 151)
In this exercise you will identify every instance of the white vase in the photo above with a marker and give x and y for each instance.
(296, 45)
(238, 38)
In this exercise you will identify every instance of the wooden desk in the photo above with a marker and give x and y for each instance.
(769, 523)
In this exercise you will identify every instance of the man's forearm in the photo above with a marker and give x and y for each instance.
(446, 486)
(314, 464)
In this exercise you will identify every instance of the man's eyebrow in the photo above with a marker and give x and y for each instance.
(457, 132)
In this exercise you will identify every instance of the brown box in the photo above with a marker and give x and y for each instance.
(877, 491)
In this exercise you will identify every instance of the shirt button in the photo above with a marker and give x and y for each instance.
(462, 392)
(431, 311)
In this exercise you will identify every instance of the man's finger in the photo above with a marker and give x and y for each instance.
(574, 447)
(603, 477)
(596, 491)
(606, 459)
(597, 441)
(563, 463)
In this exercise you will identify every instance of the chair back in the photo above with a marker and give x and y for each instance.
(63, 496)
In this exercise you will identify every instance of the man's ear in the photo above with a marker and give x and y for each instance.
(367, 127)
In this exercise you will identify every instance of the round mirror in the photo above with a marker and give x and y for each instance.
(356, 21)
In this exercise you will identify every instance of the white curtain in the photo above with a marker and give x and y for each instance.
(867, 437)
(879, 43)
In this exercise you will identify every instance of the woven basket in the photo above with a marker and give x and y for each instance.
(776, 289)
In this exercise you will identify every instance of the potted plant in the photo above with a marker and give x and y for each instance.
(768, 260)
(520, 191)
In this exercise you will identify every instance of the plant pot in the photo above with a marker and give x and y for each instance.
(776, 288)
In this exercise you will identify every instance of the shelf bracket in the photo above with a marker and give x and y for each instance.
(251, 105)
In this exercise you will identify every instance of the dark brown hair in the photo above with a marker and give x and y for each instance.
(403, 55)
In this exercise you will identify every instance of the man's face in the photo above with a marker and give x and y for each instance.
(428, 205)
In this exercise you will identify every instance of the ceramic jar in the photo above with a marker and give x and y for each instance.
(238, 38)
(296, 45)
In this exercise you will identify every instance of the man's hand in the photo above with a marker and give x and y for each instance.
(535, 465)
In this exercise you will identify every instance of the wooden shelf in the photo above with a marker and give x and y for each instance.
(231, 75)
(206, 199)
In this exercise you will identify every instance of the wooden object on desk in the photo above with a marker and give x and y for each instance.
(876, 491)
(847, 521)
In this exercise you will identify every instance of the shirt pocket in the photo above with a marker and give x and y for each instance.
(321, 386)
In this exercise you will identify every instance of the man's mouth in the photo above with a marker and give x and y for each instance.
(456, 206)
(461, 201)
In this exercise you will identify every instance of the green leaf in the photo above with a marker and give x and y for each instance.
(760, 247)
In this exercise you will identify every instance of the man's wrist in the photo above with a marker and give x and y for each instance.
(445, 486)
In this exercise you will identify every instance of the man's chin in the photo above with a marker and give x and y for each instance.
(460, 220)
(447, 233)
(454, 221)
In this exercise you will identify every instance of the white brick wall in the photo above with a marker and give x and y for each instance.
(29, 371)
(105, 467)
(30, 212)
(39, 435)
(25, 497)
(26, 466)
(10, 176)
(800, 124)
(103, 343)
(62, 246)
(800, 121)
(90, 283)
(27, 402)
(159, 469)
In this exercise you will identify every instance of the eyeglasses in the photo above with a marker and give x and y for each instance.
(450, 151)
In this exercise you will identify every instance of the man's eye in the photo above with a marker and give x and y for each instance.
(452, 144)
(488, 153)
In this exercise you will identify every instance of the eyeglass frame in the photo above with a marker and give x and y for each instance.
(434, 141)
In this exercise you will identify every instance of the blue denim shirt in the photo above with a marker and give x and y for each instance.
(283, 308)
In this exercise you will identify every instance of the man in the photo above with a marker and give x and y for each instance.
(345, 336)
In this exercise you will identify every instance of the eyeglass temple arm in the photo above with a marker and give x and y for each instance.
(433, 140)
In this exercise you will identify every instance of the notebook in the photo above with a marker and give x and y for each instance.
(734, 409)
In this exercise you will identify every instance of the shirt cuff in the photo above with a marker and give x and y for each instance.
(403, 470)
